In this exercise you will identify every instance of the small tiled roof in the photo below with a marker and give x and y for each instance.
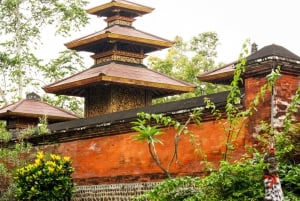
(273, 52)
(224, 74)
(122, 5)
(218, 75)
(124, 34)
(120, 73)
(35, 109)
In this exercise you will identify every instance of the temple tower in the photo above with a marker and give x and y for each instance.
(118, 80)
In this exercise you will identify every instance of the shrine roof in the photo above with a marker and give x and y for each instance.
(273, 52)
(119, 33)
(35, 109)
(256, 63)
(110, 8)
(219, 75)
(120, 73)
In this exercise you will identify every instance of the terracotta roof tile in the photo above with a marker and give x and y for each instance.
(117, 72)
(218, 75)
(124, 33)
(33, 108)
(106, 9)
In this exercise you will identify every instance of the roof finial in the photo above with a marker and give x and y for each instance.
(253, 48)
(33, 96)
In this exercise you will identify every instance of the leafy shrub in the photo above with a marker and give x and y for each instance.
(241, 180)
(48, 178)
(238, 181)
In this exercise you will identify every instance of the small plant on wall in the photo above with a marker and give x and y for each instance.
(48, 178)
(149, 133)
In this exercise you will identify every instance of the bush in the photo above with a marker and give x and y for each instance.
(238, 181)
(48, 178)
(175, 189)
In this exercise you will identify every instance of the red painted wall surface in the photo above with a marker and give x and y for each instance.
(119, 158)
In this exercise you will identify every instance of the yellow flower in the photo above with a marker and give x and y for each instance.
(55, 157)
(21, 171)
(40, 155)
(50, 164)
(37, 162)
(59, 167)
(67, 159)
(51, 169)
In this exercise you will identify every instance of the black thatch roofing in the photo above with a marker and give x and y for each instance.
(181, 106)
(273, 51)
(259, 63)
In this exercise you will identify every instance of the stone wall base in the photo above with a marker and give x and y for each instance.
(111, 192)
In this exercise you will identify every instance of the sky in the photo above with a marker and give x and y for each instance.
(264, 22)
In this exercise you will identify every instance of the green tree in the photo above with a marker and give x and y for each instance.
(185, 60)
(66, 64)
(21, 26)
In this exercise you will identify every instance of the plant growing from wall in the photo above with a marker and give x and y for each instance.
(149, 133)
(48, 178)
(240, 180)
(235, 116)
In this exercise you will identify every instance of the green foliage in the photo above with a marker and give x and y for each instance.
(290, 179)
(240, 180)
(288, 154)
(186, 60)
(42, 127)
(11, 154)
(21, 27)
(48, 178)
(10, 159)
(175, 189)
(149, 133)
(236, 181)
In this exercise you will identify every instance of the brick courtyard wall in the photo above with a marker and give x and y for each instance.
(120, 159)
(284, 90)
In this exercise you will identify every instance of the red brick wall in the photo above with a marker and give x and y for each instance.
(285, 88)
(119, 158)
(262, 111)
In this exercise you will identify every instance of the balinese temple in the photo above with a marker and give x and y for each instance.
(118, 80)
(259, 63)
(27, 112)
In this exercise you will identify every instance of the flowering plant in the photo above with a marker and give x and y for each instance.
(48, 178)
